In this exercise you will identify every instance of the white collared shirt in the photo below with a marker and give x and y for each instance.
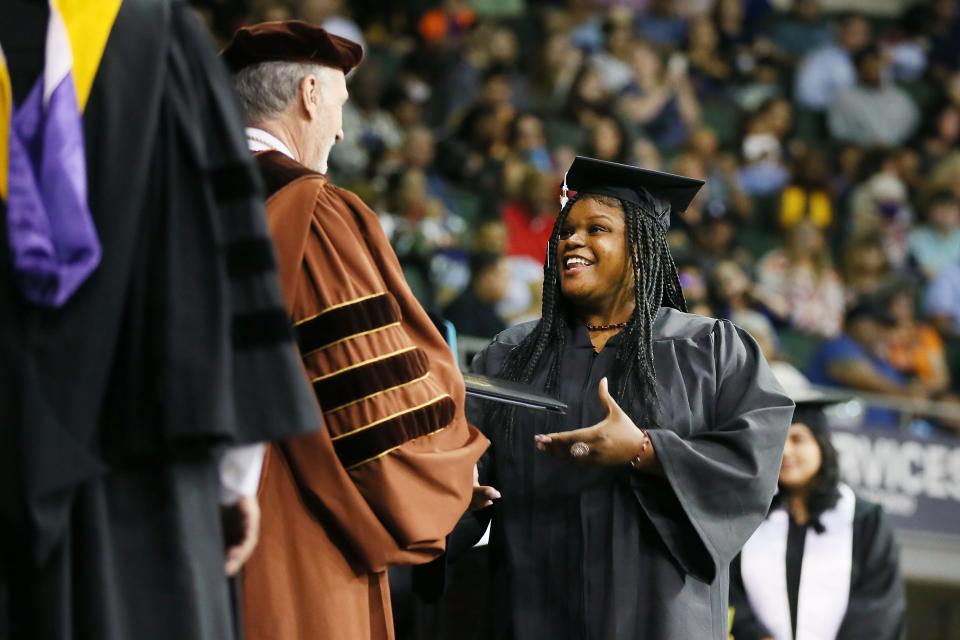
(240, 470)
(260, 140)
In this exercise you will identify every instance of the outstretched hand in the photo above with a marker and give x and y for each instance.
(615, 440)
(483, 496)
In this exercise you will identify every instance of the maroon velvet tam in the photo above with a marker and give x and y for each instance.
(290, 41)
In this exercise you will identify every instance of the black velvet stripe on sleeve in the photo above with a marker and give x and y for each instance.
(367, 444)
(350, 385)
(346, 321)
(249, 257)
(260, 328)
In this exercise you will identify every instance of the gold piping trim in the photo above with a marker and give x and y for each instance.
(337, 306)
(392, 449)
(382, 391)
(365, 362)
(350, 337)
(391, 417)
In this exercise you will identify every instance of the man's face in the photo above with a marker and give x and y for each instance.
(855, 34)
(530, 133)
(418, 151)
(808, 10)
(493, 285)
(871, 70)
(326, 124)
(491, 236)
(945, 215)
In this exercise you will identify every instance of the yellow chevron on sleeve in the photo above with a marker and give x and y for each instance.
(88, 23)
(6, 113)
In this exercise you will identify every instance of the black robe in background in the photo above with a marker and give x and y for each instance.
(473, 317)
(877, 603)
(113, 408)
(581, 552)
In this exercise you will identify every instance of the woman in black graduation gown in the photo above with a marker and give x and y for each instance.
(624, 529)
(840, 543)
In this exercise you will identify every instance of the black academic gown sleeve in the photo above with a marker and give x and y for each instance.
(877, 604)
(719, 480)
(746, 625)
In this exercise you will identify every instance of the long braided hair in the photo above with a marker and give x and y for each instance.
(655, 284)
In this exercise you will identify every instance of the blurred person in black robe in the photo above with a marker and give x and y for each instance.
(623, 529)
(474, 311)
(117, 403)
(824, 563)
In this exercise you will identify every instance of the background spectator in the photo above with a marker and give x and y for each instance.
(942, 135)
(724, 194)
(764, 171)
(735, 294)
(857, 359)
(800, 283)
(829, 69)
(873, 112)
(474, 311)
(802, 30)
(916, 349)
(695, 289)
(942, 302)
(866, 267)
(709, 70)
(529, 217)
(936, 244)
(660, 100)
(808, 197)
(881, 205)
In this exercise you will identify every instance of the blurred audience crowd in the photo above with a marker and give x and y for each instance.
(829, 226)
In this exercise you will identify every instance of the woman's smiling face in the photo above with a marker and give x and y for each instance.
(802, 458)
(595, 270)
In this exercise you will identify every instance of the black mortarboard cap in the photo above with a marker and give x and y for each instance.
(805, 394)
(811, 401)
(818, 397)
(622, 181)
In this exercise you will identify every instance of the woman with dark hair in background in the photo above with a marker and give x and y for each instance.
(798, 282)
(607, 139)
(659, 100)
(840, 544)
(588, 99)
(625, 529)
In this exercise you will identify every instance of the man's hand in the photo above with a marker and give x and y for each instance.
(483, 496)
(615, 440)
(241, 530)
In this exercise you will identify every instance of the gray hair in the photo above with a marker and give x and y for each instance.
(267, 89)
